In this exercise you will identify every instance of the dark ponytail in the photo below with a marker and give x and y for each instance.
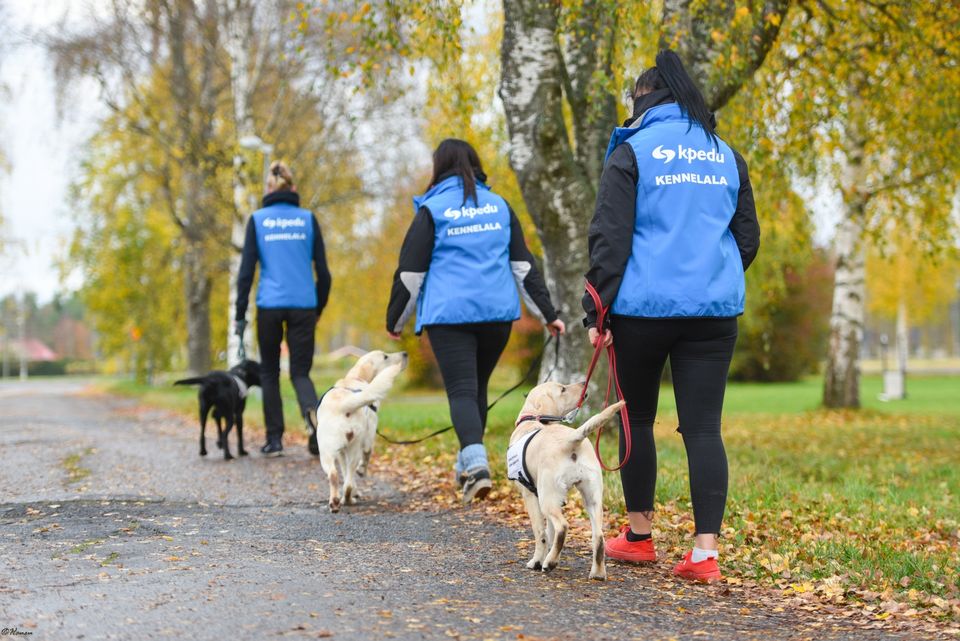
(454, 156)
(669, 73)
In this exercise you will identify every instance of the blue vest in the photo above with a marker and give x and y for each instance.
(469, 280)
(285, 244)
(684, 261)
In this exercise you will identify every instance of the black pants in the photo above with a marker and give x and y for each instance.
(700, 351)
(467, 355)
(300, 325)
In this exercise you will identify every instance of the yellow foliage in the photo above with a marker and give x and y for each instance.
(902, 272)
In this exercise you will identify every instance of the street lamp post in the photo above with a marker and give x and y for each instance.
(23, 337)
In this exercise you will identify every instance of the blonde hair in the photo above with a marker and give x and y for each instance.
(279, 178)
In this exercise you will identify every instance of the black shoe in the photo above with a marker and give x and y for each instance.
(272, 449)
(477, 485)
(311, 418)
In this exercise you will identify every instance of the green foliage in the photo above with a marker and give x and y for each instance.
(127, 250)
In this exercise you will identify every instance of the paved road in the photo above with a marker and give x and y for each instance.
(111, 527)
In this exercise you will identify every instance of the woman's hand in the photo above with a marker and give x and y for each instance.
(557, 328)
(394, 335)
(594, 335)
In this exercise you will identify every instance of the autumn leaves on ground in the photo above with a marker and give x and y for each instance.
(850, 514)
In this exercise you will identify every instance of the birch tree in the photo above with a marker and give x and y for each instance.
(199, 57)
(561, 69)
(871, 89)
(238, 42)
(179, 40)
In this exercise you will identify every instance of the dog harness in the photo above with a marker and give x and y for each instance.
(517, 461)
(243, 386)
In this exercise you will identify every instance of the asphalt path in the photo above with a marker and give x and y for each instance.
(112, 527)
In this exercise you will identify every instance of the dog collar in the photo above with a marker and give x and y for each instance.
(546, 419)
(242, 385)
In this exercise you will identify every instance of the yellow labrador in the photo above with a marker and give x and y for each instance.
(547, 459)
(347, 421)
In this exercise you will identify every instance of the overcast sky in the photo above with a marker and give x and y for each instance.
(42, 151)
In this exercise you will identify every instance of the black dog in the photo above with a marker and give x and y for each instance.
(226, 394)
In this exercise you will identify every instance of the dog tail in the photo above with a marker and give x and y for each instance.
(197, 380)
(595, 422)
(375, 392)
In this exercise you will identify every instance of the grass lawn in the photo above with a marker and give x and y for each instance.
(848, 505)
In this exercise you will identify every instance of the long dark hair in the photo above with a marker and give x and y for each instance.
(455, 156)
(669, 73)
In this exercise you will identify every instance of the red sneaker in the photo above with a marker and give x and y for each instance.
(706, 571)
(621, 549)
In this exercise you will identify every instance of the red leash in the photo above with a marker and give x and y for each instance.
(612, 380)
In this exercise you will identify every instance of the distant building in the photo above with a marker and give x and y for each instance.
(35, 351)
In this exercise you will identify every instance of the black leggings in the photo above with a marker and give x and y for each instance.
(467, 355)
(700, 351)
(301, 325)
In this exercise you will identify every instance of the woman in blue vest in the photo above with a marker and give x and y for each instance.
(287, 243)
(461, 264)
(674, 230)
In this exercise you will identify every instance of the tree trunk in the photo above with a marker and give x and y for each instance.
(841, 386)
(556, 188)
(842, 381)
(197, 291)
(195, 94)
(238, 44)
(903, 342)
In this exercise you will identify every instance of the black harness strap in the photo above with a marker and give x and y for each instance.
(524, 479)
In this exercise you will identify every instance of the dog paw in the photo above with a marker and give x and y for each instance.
(219, 445)
(334, 505)
(549, 566)
(600, 575)
(612, 410)
(203, 452)
(242, 452)
(533, 564)
(227, 456)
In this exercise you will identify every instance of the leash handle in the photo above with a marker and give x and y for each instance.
(613, 380)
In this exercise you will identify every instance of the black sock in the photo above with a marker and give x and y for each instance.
(633, 538)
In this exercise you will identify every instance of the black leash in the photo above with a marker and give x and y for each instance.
(533, 367)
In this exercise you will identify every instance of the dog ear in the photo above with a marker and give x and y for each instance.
(364, 370)
(535, 400)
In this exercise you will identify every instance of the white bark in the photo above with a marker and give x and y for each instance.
(842, 381)
(238, 41)
(556, 188)
(903, 341)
